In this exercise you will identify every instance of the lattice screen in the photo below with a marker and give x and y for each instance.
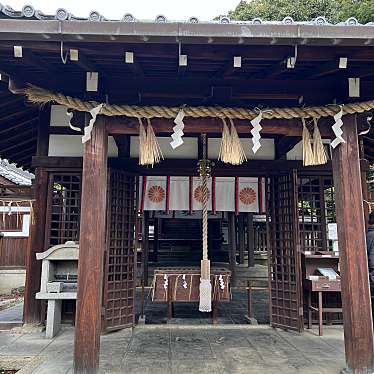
(284, 256)
(316, 211)
(119, 290)
(63, 208)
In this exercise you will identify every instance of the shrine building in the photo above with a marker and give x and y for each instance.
(180, 157)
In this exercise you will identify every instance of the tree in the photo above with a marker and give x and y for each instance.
(305, 10)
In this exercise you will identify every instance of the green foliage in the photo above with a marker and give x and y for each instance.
(305, 10)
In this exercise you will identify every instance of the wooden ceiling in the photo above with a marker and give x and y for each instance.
(263, 80)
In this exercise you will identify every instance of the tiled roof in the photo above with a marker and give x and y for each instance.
(15, 174)
(29, 12)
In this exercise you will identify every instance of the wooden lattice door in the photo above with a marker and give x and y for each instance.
(284, 253)
(119, 274)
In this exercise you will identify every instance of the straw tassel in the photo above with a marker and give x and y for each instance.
(225, 143)
(308, 157)
(231, 149)
(319, 152)
(149, 149)
(237, 151)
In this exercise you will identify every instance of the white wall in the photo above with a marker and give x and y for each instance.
(11, 278)
(188, 149)
(71, 146)
(296, 153)
(266, 152)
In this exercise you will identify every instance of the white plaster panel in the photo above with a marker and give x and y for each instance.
(71, 146)
(188, 149)
(59, 116)
(296, 153)
(266, 152)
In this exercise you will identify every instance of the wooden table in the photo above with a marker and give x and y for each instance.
(178, 284)
(322, 285)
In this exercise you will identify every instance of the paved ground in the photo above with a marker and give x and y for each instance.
(190, 350)
(12, 314)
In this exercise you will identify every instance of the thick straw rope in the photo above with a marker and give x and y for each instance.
(42, 96)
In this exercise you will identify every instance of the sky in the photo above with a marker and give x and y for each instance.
(204, 10)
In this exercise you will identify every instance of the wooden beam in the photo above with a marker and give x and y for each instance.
(123, 145)
(125, 125)
(325, 69)
(30, 58)
(284, 144)
(358, 327)
(91, 251)
(22, 123)
(31, 308)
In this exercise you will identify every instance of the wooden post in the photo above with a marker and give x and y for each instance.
(145, 246)
(91, 251)
(232, 245)
(250, 240)
(358, 328)
(31, 308)
(241, 237)
(155, 238)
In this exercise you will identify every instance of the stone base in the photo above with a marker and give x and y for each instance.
(251, 320)
(10, 279)
(141, 321)
(29, 328)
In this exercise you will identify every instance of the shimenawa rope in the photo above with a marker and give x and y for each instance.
(39, 95)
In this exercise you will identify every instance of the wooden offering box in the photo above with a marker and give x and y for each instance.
(182, 285)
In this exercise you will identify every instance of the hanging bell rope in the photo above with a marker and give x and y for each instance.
(42, 96)
(205, 304)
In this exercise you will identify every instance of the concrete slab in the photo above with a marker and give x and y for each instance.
(189, 349)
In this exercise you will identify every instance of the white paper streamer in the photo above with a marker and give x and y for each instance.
(70, 115)
(184, 284)
(88, 129)
(337, 128)
(221, 282)
(256, 136)
(178, 130)
(166, 281)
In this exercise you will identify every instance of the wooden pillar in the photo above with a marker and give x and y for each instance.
(241, 237)
(31, 308)
(145, 246)
(155, 238)
(91, 251)
(232, 245)
(250, 240)
(358, 328)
